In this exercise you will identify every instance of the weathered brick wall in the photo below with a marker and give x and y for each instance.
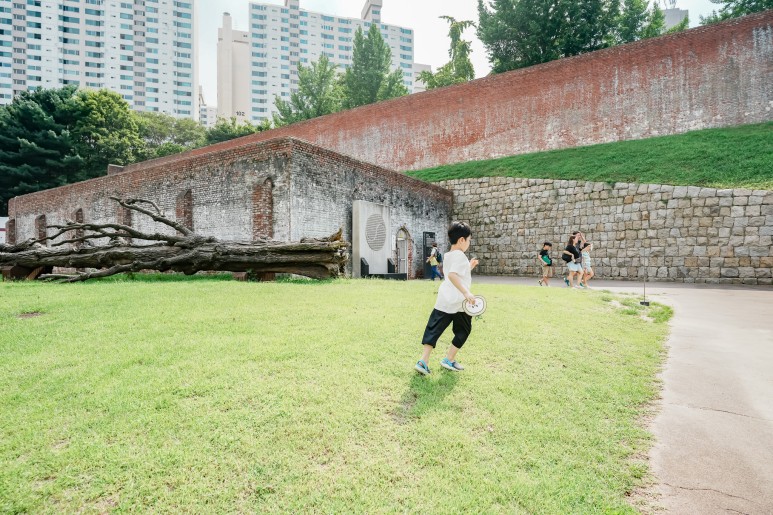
(326, 184)
(714, 76)
(285, 189)
(676, 233)
(211, 192)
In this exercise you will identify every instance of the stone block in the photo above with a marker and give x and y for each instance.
(680, 191)
(737, 211)
(759, 251)
(729, 272)
(707, 192)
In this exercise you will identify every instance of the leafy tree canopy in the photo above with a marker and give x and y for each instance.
(735, 8)
(520, 33)
(368, 79)
(164, 135)
(318, 94)
(459, 69)
(104, 130)
(225, 130)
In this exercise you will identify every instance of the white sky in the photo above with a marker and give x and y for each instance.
(430, 39)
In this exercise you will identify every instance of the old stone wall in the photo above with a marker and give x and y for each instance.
(285, 189)
(325, 185)
(218, 188)
(669, 233)
(713, 76)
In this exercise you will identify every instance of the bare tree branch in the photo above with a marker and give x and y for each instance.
(188, 253)
(158, 216)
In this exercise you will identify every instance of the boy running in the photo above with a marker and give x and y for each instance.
(454, 289)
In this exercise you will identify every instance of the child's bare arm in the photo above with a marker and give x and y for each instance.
(457, 282)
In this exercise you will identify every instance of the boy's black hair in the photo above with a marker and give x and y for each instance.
(547, 243)
(458, 230)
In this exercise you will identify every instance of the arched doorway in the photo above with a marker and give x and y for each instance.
(402, 251)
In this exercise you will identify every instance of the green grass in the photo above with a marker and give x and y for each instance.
(738, 157)
(218, 396)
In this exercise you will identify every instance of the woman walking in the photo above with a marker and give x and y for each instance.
(571, 255)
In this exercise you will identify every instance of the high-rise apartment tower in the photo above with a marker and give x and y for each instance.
(280, 37)
(143, 49)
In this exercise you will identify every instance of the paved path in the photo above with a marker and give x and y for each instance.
(713, 450)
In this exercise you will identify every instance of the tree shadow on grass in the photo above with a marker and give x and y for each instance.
(424, 394)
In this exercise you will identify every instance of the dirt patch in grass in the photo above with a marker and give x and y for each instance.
(29, 314)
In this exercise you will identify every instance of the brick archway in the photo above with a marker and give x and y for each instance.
(263, 210)
(10, 232)
(404, 235)
(40, 228)
(184, 209)
(79, 219)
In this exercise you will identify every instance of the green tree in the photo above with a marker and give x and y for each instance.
(37, 148)
(318, 94)
(164, 135)
(459, 69)
(637, 21)
(368, 79)
(633, 18)
(225, 130)
(735, 8)
(520, 33)
(105, 131)
(588, 25)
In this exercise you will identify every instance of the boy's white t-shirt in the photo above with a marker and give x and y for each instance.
(449, 299)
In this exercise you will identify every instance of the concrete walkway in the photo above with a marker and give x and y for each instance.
(713, 450)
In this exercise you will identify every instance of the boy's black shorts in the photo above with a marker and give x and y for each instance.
(439, 322)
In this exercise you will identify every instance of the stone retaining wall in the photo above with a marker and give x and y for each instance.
(669, 233)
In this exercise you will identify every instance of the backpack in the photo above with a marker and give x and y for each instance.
(439, 257)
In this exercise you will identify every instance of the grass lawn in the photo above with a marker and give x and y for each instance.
(737, 157)
(217, 396)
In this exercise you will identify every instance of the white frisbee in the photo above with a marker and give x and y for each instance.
(475, 309)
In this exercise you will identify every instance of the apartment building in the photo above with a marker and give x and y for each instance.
(143, 49)
(257, 65)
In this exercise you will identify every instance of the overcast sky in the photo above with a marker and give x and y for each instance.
(431, 33)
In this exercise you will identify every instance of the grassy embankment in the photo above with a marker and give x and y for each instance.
(738, 157)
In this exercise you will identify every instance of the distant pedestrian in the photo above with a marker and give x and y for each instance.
(434, 262)
(546, 264)
(587, 267)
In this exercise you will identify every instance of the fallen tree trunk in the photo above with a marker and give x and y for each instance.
(130, 250)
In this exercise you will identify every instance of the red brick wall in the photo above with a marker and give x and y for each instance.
(40, 228)
(263, 210)
(184, 209)
(713, 76)
(10, 232)
(284, 189)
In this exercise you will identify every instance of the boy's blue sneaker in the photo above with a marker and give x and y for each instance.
(451, 365)
(566, 281)
(422, 368)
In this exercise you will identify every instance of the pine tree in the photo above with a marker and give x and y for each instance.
(37, 148)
